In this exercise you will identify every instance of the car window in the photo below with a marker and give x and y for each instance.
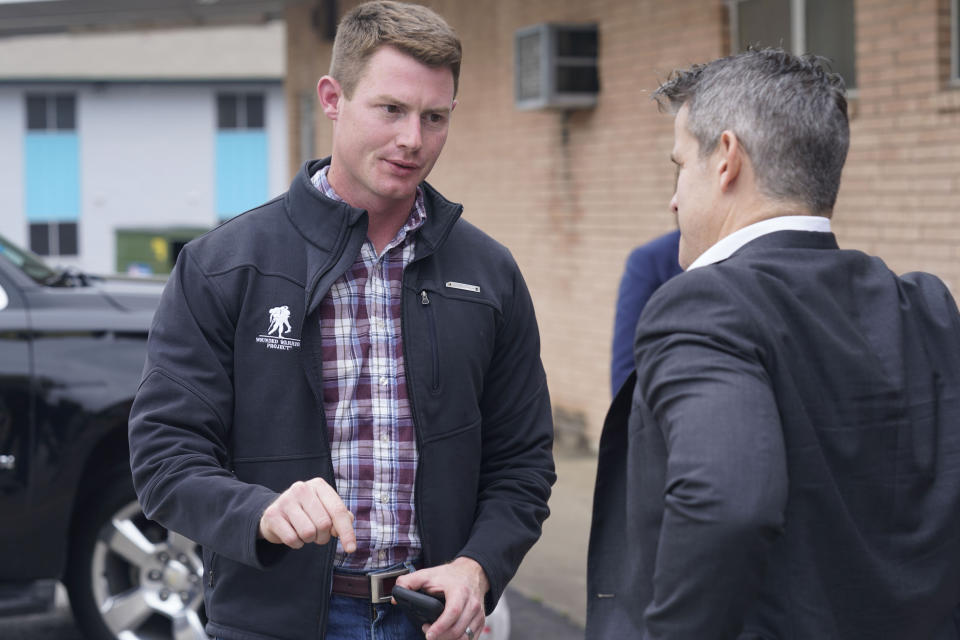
(27, 262)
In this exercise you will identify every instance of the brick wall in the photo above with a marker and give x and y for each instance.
(571, 194)
(308, 58)
(900, 196)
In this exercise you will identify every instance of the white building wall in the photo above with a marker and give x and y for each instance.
(276, 123)
(12, 127)
(147, 159)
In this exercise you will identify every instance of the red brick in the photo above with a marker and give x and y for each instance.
(571, 213)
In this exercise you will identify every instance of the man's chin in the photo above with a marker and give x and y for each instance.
(400, 189)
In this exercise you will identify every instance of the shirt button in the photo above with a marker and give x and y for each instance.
(383, 380)
(383, 498)
(384, 438)
(382, 555)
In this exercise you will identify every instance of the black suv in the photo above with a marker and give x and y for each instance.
(71, 353)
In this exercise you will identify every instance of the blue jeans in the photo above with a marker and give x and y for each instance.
(356, 619)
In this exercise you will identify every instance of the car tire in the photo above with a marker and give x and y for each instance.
(128, 577)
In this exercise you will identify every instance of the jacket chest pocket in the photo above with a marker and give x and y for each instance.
(449, 340)
(433, 339)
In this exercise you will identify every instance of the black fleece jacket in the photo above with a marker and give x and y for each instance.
(226, 418)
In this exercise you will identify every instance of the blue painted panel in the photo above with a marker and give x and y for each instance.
(52, 176)
(241, 171)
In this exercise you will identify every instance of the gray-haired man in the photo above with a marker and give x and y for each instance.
(788, 462)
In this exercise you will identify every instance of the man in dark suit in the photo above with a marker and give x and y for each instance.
(790, 467)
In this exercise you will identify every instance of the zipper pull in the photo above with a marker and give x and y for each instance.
(423, 297)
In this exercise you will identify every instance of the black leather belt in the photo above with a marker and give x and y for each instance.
(375, 587)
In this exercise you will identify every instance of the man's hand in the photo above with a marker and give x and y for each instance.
(308, 512)
(463, 584)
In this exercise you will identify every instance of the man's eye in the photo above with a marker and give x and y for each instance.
(434, 118)
(391, 108)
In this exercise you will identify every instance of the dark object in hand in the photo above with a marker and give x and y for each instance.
(420, 607)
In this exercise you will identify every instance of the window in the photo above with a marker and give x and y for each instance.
(822, 27)
(51, 173)
(240, 111)
(54, 238)
(241, 172)
(51, 112)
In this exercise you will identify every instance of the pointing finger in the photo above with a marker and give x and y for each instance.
(342, 526)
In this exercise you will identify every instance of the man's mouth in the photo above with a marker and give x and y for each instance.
(406, 166)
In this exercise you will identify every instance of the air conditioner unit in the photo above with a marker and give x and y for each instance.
(556, 66)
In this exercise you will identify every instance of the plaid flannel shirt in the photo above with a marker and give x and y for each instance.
(369, 422)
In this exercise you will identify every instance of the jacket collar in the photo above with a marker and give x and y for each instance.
(790, 239)
(321, 220)
(729, 245)
(326, 222)
(339, 230)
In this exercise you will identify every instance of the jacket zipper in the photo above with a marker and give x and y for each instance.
(327, 579)
(332, 551)
(434, 348)
(411, 393)
(213, 562)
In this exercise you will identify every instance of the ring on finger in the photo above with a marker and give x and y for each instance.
(469, 633)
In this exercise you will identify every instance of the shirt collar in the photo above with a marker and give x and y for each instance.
(728, 245)
(418, 214)
(319, 180)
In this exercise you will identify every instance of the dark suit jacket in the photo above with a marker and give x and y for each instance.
(648, 266)
(791, 464)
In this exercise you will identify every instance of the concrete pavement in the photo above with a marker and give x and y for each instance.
(555, 570)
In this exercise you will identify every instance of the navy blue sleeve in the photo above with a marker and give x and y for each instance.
(648, 267)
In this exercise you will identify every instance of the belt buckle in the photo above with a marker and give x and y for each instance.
(376, 584)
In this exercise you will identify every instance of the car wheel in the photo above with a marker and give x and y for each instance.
(129, 578)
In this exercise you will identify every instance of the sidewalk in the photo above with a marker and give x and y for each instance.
(555, 570)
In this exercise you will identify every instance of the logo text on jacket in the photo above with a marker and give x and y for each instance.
(279, 325)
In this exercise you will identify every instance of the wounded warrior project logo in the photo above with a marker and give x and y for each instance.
(279, 325)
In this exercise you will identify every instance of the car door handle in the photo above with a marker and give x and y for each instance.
(8, 463)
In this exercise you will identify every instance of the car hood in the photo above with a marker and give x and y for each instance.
(102, 304)
(131, 294)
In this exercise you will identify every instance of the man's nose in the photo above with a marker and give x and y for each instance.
(409, 135)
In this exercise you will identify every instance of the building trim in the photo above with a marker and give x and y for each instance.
(219, 81)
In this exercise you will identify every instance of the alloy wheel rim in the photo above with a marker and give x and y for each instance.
(147, 581)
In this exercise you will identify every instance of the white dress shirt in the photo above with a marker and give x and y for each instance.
(729, 244)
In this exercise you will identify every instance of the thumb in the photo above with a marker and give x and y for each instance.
(414, 581)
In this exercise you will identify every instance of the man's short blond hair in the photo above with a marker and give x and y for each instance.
(412, 29)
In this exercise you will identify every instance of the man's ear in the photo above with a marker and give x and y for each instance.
(731, 159)
(330, 94)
